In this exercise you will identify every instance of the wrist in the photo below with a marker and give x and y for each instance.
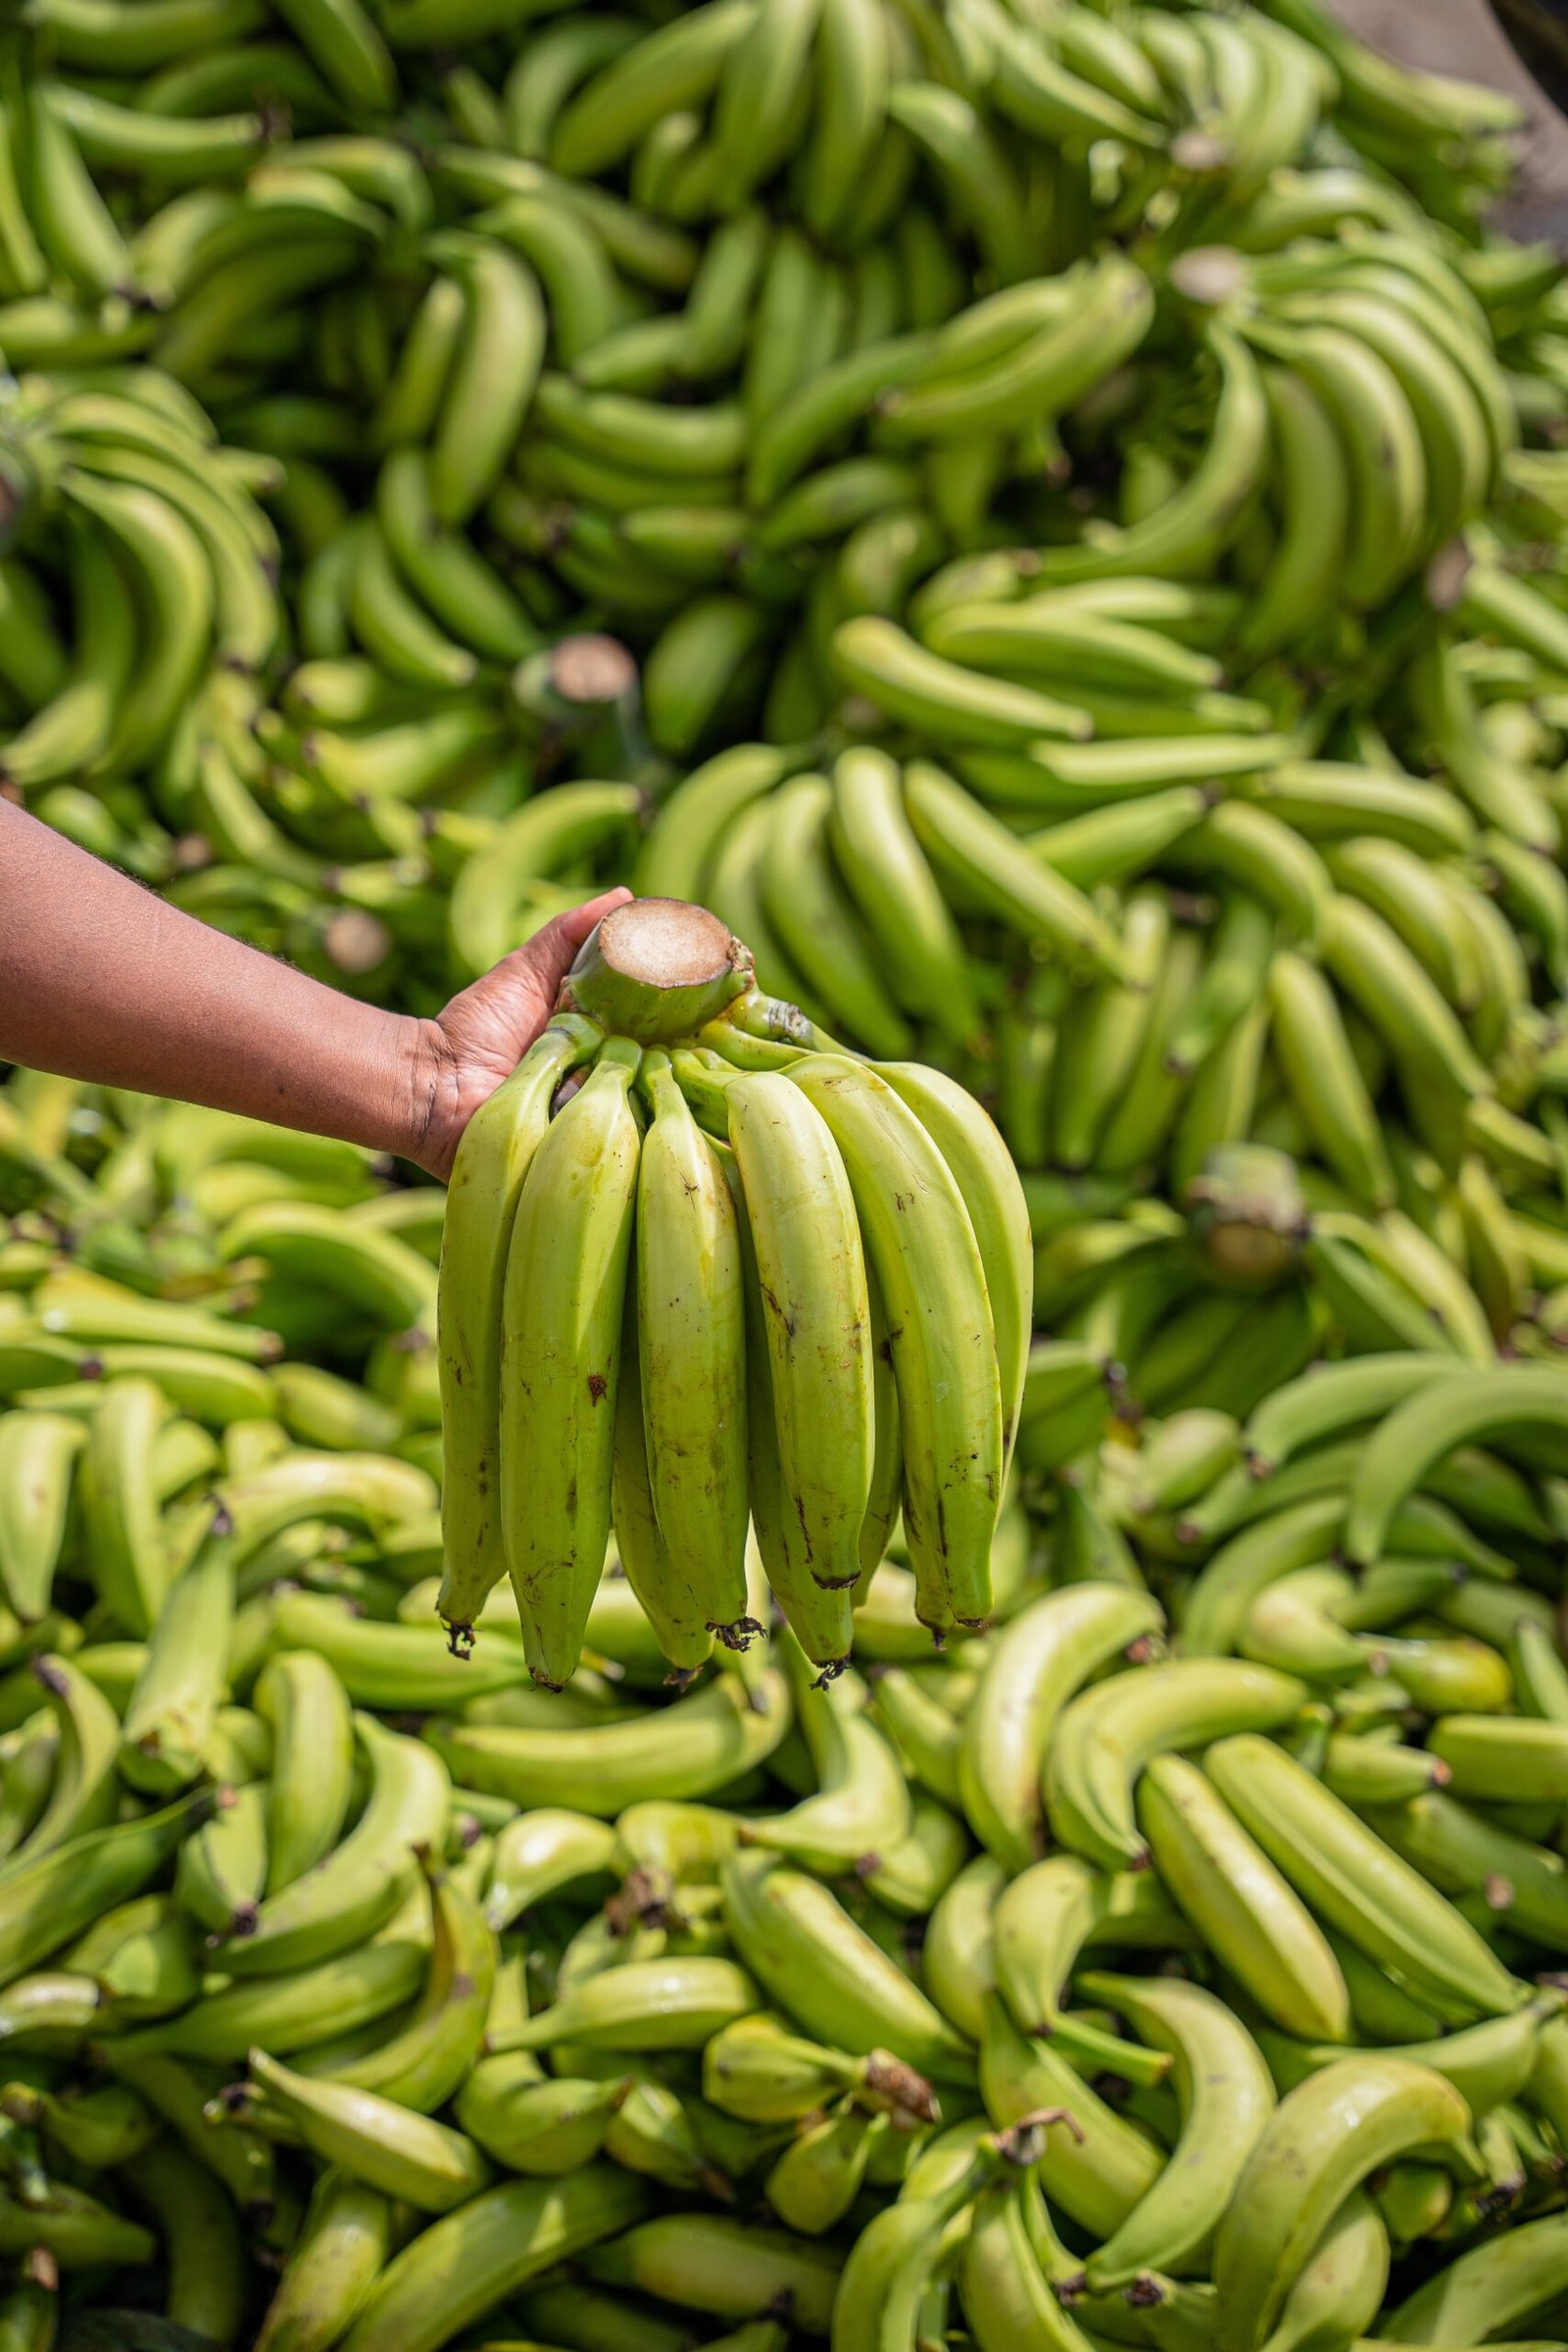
(423, 1097)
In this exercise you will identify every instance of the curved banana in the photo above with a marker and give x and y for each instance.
(691, 1342)
(222, 1872)
(1104, 1738)
(469, 2261)
(879, 2297)
(1331, 1398)
(860, 1810)
(169, 1719)
(1345, 2278)
(1097, 2165)
(733, 2270)
(888, 877)
(372, 2139)
(690, 1749)
(422, 2061)
(672, 2004)
(983, 1171)
(1040, 1659)
(1490, 2287)
(345, 2242)
(1465, 1411)
(1323, 2138)
(563, 1308)
(806, 1239)
(313, 1762)
(931, 1280)
(1226, 2097)
(1039, 1926)
(816, 1962)
(1312, 485)
(1324, 1080)
(1489, 2064)
(361, 1882)
(1009, 2301)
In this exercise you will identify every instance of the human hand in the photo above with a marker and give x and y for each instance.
(478, 1040)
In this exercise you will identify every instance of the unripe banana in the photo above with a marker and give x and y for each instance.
(1327, 2135)
(691, 1342)
(805, 1236)
(494, 1158)
(565, 1288)
(931, 1279)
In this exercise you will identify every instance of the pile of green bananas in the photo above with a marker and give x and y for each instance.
(1050, 521)
(1171, 1962)
(725, 331)
(698, 1279)
(1151, 950)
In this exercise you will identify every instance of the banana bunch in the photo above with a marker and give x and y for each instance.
(699, 1275)
(1359, 418)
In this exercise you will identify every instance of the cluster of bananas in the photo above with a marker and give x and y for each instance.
(698, 1278)
(354, 1993)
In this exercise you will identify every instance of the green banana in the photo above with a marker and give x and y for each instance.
(1046, 1654)
(1358, 1885)
(691, 1343)
(1226, 2098)
(945, 1367)
(813, 1959)
(565, 1329)
(494, 1158)
(370, 2138)
(361, 1882)
(802, 1218)
(313, 1762)
(1239, 1905)
(690, 1749)
(469, 2260)
(1414, 1438)
(1103, 1740)
(345, 2241)
(1327, 2135)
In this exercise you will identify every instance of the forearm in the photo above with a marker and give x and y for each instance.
(100, 980)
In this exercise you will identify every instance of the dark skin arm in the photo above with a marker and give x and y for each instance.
(102, 981)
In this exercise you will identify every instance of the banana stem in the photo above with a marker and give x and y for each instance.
(657, 969)
(704, 1086)
(584, 695)
(772, 1019)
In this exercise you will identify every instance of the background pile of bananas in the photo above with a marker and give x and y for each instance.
(1172, 1962)
(725, 331)
(1051, 520)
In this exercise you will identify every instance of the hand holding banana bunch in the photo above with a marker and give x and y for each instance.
(702, 1273)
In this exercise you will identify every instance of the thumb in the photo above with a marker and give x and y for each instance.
(550, 951)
